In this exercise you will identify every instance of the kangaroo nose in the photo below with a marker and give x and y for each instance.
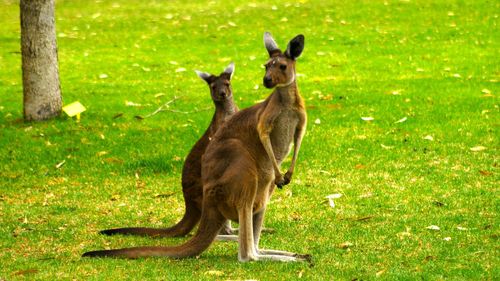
(222, 94)
(268, 81)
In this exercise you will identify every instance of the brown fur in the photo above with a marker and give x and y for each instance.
(241, 166)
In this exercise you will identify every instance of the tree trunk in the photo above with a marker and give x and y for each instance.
(41, 88)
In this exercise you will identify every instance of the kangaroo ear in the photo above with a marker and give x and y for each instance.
(230, 70)
(203, 75)
(295, 47)
(270, 44)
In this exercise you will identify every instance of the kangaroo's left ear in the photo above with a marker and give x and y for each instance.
(295, 47)
(230, 70)
(204, 75)
(270, 44)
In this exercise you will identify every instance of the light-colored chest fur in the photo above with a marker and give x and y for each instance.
(283, 132)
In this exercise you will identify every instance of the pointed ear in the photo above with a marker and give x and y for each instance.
(270, 44)
(230, 70)
(203, 75)
(295, 47)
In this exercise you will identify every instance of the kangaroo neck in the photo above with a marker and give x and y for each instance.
(288, 94)
(223, 110)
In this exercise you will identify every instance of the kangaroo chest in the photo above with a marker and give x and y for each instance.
(284, 127)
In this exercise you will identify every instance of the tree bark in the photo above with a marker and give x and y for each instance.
(41, 88)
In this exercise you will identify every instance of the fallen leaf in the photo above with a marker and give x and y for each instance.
(461, 228)
(345, 245)
(180, 69)
(485, 173)
(363, 218)
(429, 138)
(131, 103)
(331, 197)
(60, 164)
(401, 120)
(165, 195)
(26, 271)
(102, 153)
(215, 272)
(433, 227)
(317, 121)
(429, 258)
(438, 204)
(366, 195)
(103, 76)
(367, 118)
(359, 166)
(447, 239)
(113, 160)
(457, 75)
(478, 148)
(380, 272)
(486, 91)
(386, 147)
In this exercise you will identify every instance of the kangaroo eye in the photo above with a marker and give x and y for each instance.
(283, 66)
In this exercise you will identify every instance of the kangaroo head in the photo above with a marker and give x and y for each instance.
(280, 68)
(220, 86)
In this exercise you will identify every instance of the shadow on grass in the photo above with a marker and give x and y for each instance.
(154, 165)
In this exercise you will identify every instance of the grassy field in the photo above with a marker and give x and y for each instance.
(427, 72)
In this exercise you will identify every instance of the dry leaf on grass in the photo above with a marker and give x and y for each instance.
(401, 120)
(331, 197)
(433, 227)
(477, 148)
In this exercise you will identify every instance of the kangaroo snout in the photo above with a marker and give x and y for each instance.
(268, 82)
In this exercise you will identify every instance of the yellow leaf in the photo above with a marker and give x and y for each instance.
(478, 148)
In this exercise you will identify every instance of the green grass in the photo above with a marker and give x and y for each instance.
(433, 62)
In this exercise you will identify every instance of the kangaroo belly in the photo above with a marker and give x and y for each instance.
(283, 133)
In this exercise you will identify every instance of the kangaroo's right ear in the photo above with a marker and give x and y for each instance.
(203, 75)
(270, 44)
(295, 47)
(230, 70)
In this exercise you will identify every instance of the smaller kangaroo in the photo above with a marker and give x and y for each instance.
(192, 187)
(241, 166)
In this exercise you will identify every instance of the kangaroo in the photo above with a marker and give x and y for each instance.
(241, 166)
(192, 188)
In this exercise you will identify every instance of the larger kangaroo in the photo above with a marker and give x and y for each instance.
(192, 186)
(241, 165)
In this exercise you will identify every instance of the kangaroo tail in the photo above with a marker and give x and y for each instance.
(210, 225)
(184, 226)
